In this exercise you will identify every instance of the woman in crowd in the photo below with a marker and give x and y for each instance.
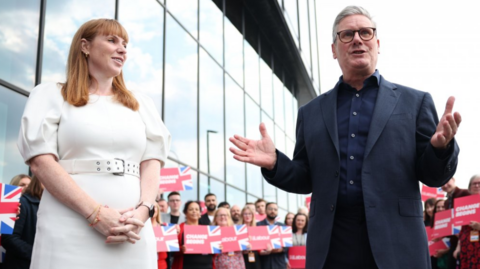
(250, 257)
(468, 248)
(299, 230)
(190, 261)
(21, 180)
(428, 212)
(289, 219)
(19, 245)
(157, 221)
(438, 259)
(230, 260)
(98, 149)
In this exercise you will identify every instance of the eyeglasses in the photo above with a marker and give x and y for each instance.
(174, 201)
(476, 184)
(247, 214)
(365, 34)
(222, 215)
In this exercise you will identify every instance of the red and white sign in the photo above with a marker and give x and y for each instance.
(441, 244)
(203, 208)
(201, 239)
(429, 192)
(176, 179)
(259, 217)
(443, 224)
(308, 200)
(235, 238)
(286, 236)
(166, 237)
(262, 236)
(467, 209)
(297, 256)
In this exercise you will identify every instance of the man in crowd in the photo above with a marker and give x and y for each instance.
(260, 205)
(235, 212)
(361, 149)
(276, 258)
(224, 205)
(453, 192)
(211, 204)
(175, 203)
(163, 205)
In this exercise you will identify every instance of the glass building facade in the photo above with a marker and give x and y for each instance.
(213, 68)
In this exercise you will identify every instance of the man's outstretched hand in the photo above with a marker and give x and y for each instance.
(447, 127)
(258, 152)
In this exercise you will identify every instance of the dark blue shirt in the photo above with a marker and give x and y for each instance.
(354, 115)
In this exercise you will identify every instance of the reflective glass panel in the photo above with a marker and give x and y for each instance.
(233, 51)
(304, 34)
(181, 92)
(63, 18)
(292, 203)
(211, 29)
(12, 105)
(269, 193)
(186, 12)
(254, 176)
(234, 124)
(18, 41)
(281, 214)
(211, 116)
(252, 72)
(279, 102)
(279, 139)
(216, 187)
(266, 88)
(289, 124)
(292, 17)
(235, 197)
(143, 71)
(251, 198)
(289, 148)
(313, 35)
(282, 200)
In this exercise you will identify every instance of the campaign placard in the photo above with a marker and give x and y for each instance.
(202, 239)
(262, 236)
(166, 237)
(259, 217)
(441, 244)
(443, 225)
(176, 179)
(235, 238)
(286, 236)
(297, 257)
(9, 199)
(203, 207)
(467, 209)
(308, 200)
(429, 192)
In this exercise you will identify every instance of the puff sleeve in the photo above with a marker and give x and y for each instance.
(39, 123)
(158, 136)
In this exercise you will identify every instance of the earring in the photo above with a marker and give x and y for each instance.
(86, 55)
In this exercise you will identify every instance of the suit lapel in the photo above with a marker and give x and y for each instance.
(386, 100)
(329, 113)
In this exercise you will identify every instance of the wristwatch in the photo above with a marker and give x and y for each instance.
(151, 208)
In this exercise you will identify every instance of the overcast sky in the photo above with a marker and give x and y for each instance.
(426, 45)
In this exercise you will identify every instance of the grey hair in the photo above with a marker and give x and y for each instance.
(471, 179)
(348, 11)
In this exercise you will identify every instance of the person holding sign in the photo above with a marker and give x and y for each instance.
(161, 256)
(190, 261)
(251, 257)
(468, 248)
(361, 150)
(230, 260)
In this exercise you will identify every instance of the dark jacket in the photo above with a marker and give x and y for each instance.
(204, 220)
(18, 246)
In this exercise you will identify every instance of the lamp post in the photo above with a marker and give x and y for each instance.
(208, 155)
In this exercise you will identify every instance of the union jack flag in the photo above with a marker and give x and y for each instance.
(186, 178)
(215, 243)
(242, 242)
(214, 231)
(286, 236)
(9, 199)
(166, 237)
(274, 232)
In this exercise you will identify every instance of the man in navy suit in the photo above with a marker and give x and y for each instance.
(361, 149)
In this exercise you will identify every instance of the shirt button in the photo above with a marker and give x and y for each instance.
(351, 157)
(357, 95)
(354, 113)
(351, 182)
(353, 135)
(332, 207)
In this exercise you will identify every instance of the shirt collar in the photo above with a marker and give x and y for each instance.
(374, 79)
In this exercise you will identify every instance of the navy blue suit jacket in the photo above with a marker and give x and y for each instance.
(398, 155)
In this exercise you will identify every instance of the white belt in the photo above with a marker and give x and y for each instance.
(117, 167)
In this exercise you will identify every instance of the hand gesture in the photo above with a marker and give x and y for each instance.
(133, 221)
(258, 152)
(447, 127)
(109, 218)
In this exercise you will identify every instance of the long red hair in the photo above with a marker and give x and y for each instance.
(75, 89)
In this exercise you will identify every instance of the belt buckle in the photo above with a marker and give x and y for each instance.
(123, 166)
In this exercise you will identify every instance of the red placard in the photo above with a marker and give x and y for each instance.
(439, 245)
(308, 200)
(262, 236)
(176, 179)
(202, 239)
(443, 224)
(297, 256)
(166, 237)
(9, 198)
(467, 209)
(286, 236)
(203, 208)
(235, 238)
(259, 217)
(429, 192)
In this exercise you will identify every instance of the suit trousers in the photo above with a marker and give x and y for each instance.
(349, 244)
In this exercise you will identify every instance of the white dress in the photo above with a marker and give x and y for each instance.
(103, 129)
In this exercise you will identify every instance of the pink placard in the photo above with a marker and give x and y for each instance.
(9, 199)
(297, 256)
(259, 217)
(439, 245)
(235, 238)
(176, 179)
(202, 239)
(443, 224)
(429, 192)
(262, 236)
(308, 200)
(467, 209)
(286, 236)
(166, 237)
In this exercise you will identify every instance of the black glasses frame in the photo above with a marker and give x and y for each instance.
(357, 31)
